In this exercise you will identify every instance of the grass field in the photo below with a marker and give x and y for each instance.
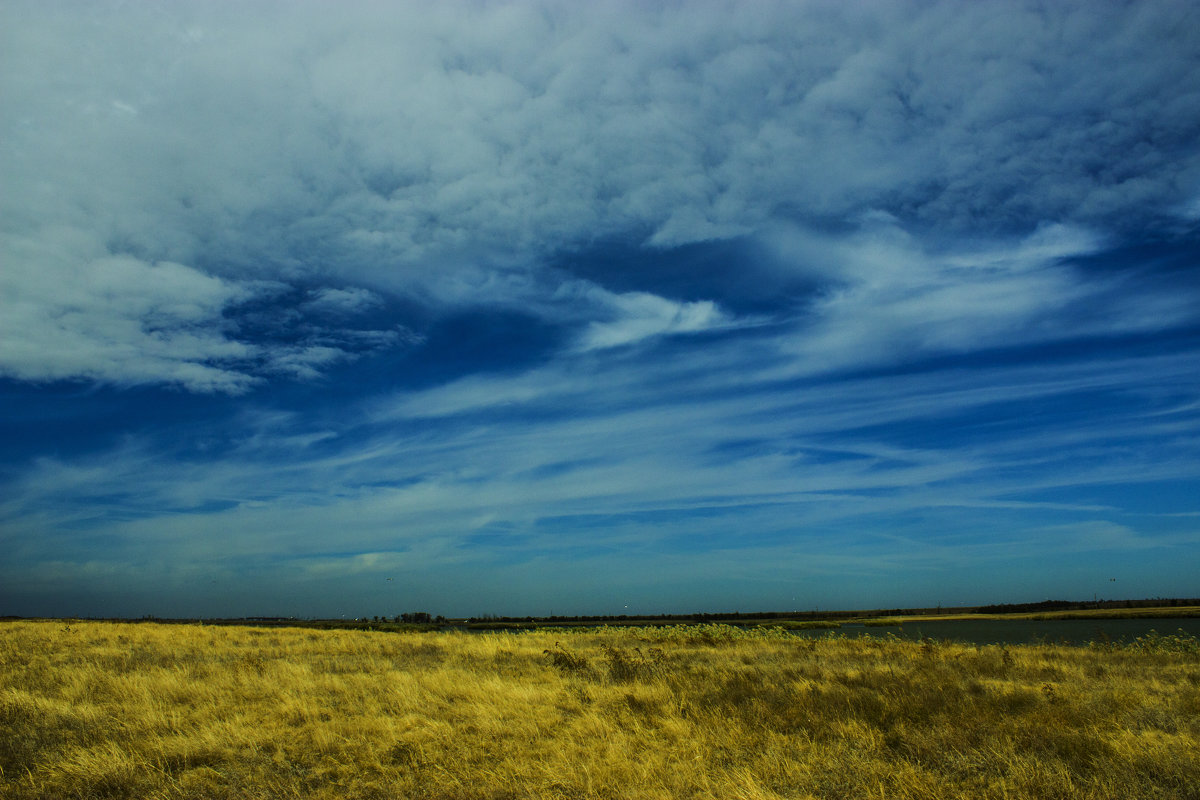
(118, 710)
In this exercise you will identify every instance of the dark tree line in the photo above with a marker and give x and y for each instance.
(419, 617)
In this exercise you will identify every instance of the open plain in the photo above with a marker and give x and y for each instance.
(125, 710)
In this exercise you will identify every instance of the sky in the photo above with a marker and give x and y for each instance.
(532, 308)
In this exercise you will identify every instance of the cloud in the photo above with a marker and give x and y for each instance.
(757, 290)
(73, 311)
(639, 315)
(706, 459)
(405, 151)
(629, 440)
(888, 296)
(73, 314)
(342, 301)
(1094, 535)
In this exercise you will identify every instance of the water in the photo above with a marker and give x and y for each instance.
(1023, 631)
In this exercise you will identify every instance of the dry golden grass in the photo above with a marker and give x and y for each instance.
(97, 710)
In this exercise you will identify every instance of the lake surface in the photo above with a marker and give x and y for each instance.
(1023, 631)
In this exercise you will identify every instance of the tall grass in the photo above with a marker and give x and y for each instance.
(99, 710)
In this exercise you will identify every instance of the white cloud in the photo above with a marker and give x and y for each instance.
(73, 311)
(407, 148)
(891, 296)
(639, 315)
(73, 314)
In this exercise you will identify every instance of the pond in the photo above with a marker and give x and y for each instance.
(1023, 631)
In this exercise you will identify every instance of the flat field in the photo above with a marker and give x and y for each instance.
(124, 710)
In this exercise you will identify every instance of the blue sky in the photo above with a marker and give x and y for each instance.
(532, 308)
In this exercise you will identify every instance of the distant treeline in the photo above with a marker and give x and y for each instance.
(1084, 605)
(421, 620)
(761, 616)
(675, 619)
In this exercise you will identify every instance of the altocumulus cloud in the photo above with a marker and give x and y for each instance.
(476, 284)
(394, 148)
